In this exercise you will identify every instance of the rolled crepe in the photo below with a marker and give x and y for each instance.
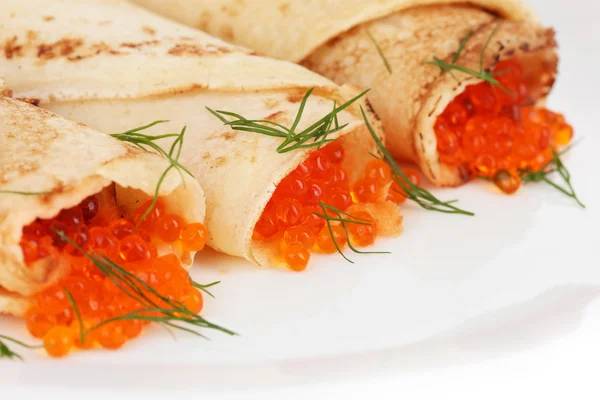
(113, 65)
(332, 38)
(48, 164)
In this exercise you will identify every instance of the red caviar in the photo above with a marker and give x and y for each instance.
(95, 227)
(362, 234)
(169, 227)
(486, 131)
(291, 219)
(326, 238)
(193, 237)
(58, 341)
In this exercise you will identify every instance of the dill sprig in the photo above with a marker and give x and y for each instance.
(156, 307)
(554, 165)
(462, 44)
(383, 58)
(23, 193)
(482, 74)
(313, 136)
(413, 192)
(204, 288)
(144, 142)
(7, 352)
(77, 314)
(344, 218)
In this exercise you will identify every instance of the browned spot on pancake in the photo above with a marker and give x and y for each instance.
(229, 135)
(220, 136)
(131, 152)
(205, 156)
(220, 161)
(371, 110)
(105, 22)
(48, 18)
(31, 36)
(135, 45)
(227, 33)
(437, 101)
(189, 49)
(94, 50)
(58, 188)
(283, 8)
(253, 159)
(79, 57)
(333, 41)
(6, 93)
(104, 48)
(296, 95)
(273, 117)
(62, 47)
(186, 89)
(204, 21)
(148, 30)
(271, 104)
(501, 45)
(31, 100)
(12, 48)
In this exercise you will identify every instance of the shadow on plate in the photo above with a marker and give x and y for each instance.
(548, 316)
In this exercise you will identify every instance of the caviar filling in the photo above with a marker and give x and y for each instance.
(97, 226)
(489, 132)
(291, 222)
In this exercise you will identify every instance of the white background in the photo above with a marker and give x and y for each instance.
(504, 305)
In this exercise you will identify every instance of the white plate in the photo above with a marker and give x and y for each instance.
(457, 292)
